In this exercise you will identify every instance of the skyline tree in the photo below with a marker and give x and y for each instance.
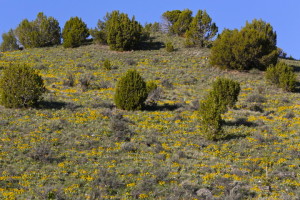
(201, 30)
(43, 31)
(122, 33)
(74, 33)
(254, 46)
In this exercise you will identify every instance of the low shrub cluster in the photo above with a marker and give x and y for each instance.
(282, 75)
(169, 47)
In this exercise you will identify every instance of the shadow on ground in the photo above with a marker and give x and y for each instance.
(57, 105)
(240, 122)
(164, 107)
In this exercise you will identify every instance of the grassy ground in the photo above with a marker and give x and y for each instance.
(68, 148)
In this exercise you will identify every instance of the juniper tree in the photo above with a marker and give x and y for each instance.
(20, 86)
(122, 33)
(43, 31)
(223, 95)
(254, 46)
(131, 91)
(74, 33)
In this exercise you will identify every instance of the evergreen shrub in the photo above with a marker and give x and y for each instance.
(282, 75)
(254, 46)
(9, 41)
(224, 94)
(74, 33)
(211, 120)
(107, 64)
(169, 47)
(131, 91)
(21, 86)
(123, 34)
(42, 32)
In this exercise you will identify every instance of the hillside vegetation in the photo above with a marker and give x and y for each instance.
(77, 145)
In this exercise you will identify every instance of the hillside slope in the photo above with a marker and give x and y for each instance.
(69, 149)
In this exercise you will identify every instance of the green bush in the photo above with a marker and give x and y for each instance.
(169, 47)
(254, 46)
(131, 91)
(123, 34)
(74, 33)
(224, 94)
(107, 64)
(20, 86)
(281, 75)
(9, 41)
(211, 121)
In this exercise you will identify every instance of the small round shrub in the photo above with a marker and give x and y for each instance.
(169, 47)
(21, 86)
(281, 75)
(107, 64)
(131, 91)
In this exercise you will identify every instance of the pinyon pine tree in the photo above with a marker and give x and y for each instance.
(183, 22)
(9, 41)
(43, 31)
(201, 30)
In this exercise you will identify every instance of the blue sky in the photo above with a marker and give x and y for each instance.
(284, 16)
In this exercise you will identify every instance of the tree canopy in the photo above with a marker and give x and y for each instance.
(9, 41)
(254, 46)
(74, 33)
(201, 30)
(122, 33)
(43, 31)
